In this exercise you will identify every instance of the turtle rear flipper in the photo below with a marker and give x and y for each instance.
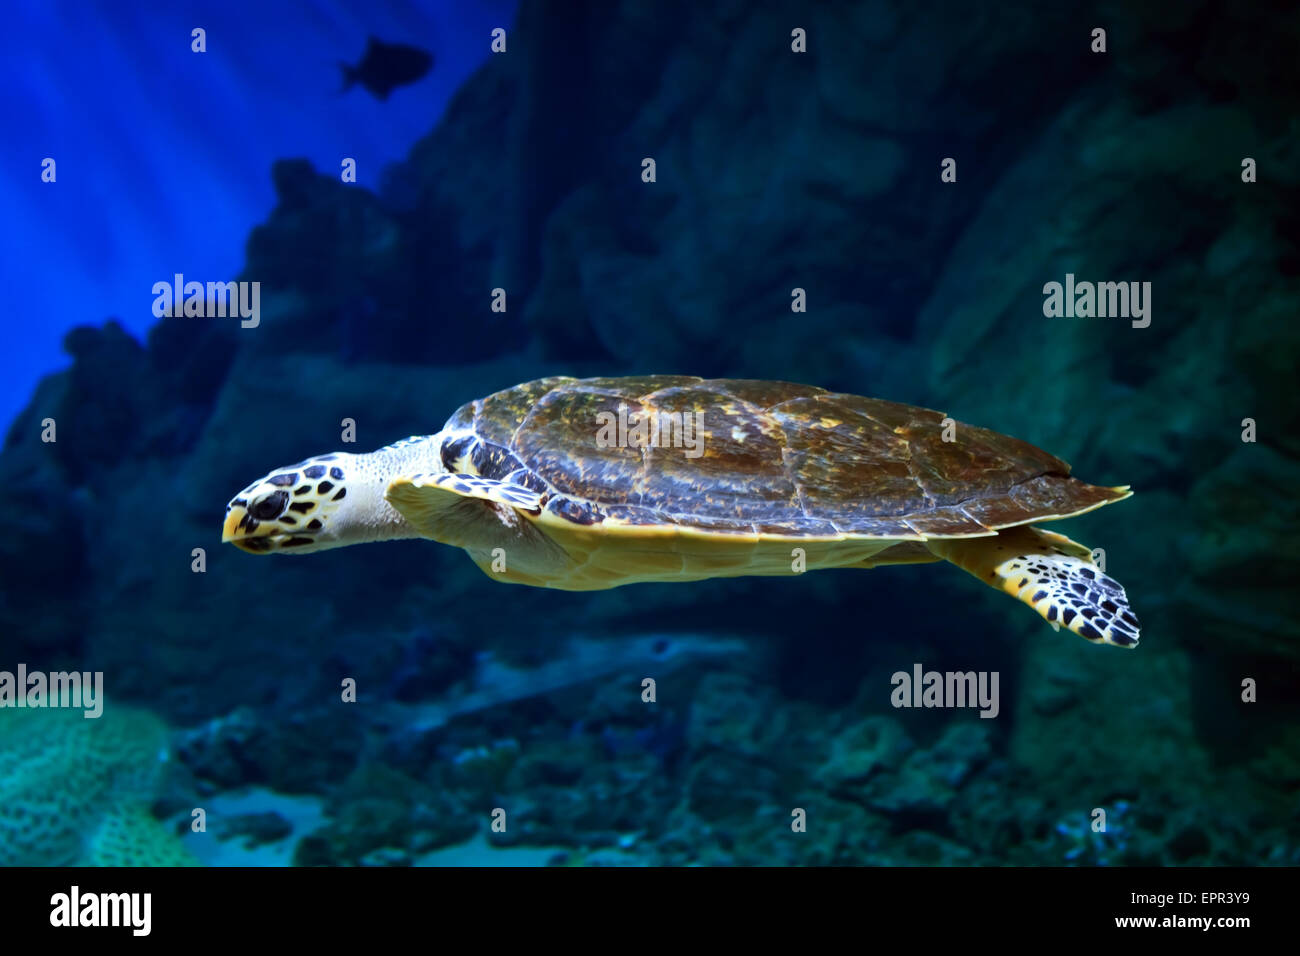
(1053, 575)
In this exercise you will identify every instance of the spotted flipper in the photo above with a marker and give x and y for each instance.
(472, 486)
(448, 507)
(1052, 574)
(490, 519)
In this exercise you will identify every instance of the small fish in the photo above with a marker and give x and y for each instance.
(386, 66)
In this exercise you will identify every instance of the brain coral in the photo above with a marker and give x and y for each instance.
(75, 791)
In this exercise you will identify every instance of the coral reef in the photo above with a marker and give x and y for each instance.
(78, 791)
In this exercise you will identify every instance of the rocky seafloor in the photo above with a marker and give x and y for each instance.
(774, 171)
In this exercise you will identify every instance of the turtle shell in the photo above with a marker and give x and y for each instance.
(757, 457)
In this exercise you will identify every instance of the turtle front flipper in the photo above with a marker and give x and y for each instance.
(1053, 575)
(488, 518)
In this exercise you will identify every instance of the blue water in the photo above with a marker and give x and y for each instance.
(163, 155)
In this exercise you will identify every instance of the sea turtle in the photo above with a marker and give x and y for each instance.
(583, 484)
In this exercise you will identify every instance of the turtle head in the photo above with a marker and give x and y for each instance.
(329, 501)
(310, 506)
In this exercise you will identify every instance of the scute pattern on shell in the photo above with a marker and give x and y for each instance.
(777, 458)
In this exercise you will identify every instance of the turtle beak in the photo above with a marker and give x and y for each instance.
(234, 518)
(244, 533)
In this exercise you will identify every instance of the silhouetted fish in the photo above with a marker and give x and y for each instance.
(386, 66)
(579, 661)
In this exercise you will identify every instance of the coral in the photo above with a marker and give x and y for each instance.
(929, 779)
(1081, 845)
(299, 755)
(129, 835)
(76, 791)
(866, 747)
(378, 816)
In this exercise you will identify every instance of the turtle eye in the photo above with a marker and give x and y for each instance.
(269, 507)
